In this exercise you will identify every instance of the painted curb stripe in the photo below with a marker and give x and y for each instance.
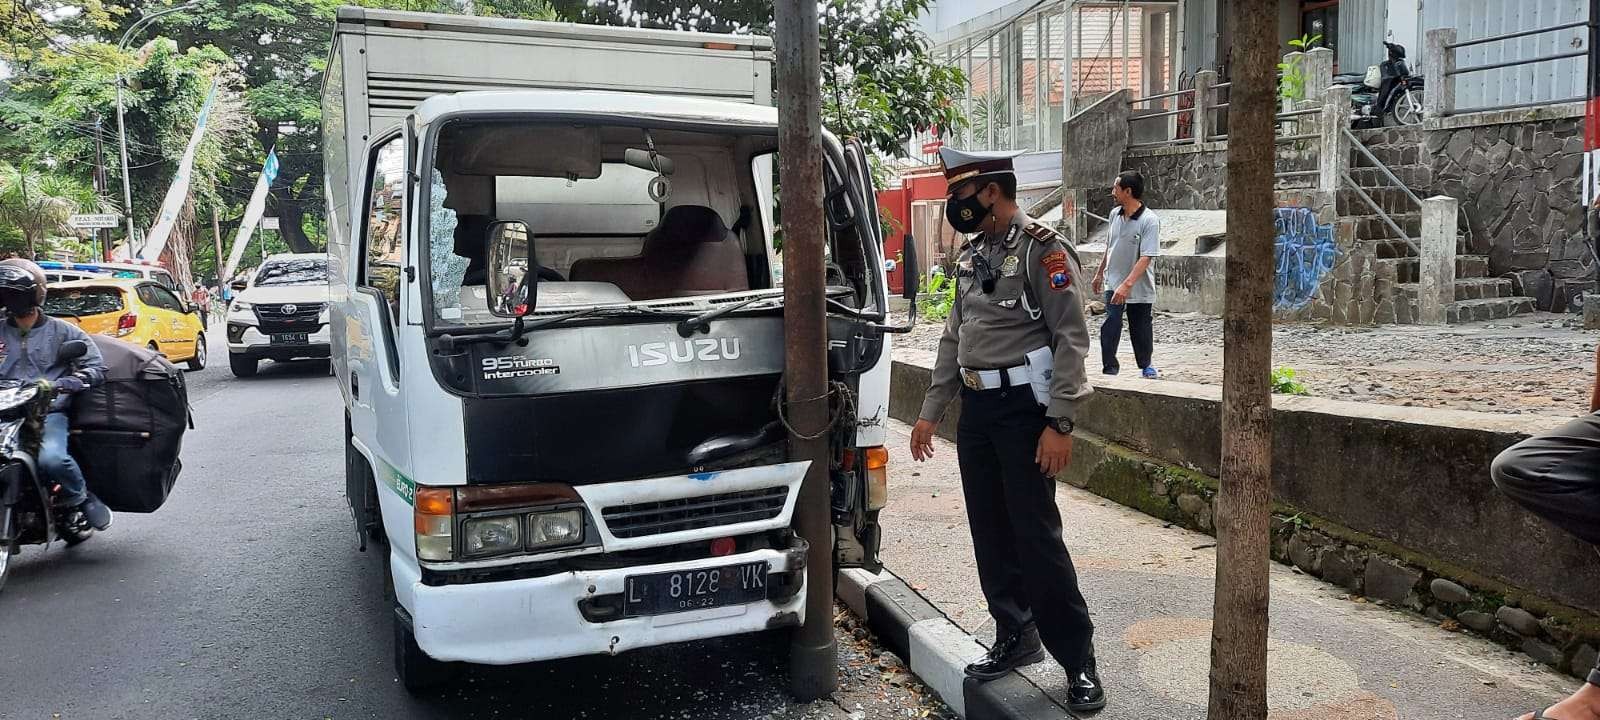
(940, 653)
(937, 650)
(892, 608)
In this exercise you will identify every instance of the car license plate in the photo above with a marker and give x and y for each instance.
(289, 338)
(685, 590)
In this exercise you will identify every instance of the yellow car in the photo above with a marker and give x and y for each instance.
(138, 311)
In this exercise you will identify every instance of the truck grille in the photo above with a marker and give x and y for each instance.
(668, 516)
(289, 317)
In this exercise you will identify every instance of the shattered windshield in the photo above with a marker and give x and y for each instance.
(294, 272)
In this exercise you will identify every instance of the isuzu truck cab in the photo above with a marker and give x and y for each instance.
(558, 330)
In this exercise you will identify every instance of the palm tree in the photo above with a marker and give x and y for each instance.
(38, 202)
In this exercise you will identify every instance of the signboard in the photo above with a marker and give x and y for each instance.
(95, 220)
(932, 146)
(269, 223)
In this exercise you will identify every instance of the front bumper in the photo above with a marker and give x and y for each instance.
(535, 619)
(248, 341)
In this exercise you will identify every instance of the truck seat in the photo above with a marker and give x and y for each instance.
(690, 252)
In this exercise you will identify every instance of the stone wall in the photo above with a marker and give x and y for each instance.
(1189, 177)
(1516, 174)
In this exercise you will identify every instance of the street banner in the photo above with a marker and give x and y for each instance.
(156, 240)
(252, 215)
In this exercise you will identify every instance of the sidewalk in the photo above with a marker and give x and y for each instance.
(1150, 587)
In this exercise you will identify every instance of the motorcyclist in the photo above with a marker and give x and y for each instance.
(30, 341)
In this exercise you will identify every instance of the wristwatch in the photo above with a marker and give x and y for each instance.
(1062, 425)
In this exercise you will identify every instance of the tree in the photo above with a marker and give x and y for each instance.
(879, 81)
(1243, 505)
(37, 203)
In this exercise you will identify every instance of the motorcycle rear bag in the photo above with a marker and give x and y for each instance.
(127, 433)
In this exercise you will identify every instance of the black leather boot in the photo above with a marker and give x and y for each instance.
(1084, 691)
(1009, 653)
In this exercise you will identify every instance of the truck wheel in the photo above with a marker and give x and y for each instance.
(418, 672)
(243, 366)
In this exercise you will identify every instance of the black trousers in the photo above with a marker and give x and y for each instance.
(1141, 332)
(1023, 566)
(1556, 476)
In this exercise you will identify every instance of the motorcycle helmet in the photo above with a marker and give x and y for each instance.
(22, 286)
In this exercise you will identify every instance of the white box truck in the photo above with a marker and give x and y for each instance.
(558, 330)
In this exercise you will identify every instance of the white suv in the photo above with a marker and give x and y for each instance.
(281, 314)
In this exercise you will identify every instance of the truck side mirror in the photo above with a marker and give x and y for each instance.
(910, 270)
(513, 271)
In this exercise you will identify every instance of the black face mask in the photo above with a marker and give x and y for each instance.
(17, 303)
(966, 215)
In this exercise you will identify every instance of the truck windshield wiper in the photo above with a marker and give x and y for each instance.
(521, 327)
(702, 322)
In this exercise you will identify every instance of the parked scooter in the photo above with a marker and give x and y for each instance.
(29, 514)
(1388, 94)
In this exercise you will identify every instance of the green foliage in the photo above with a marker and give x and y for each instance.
(36, 202)
(879, 82)
(939, 296)
(1283, 382)
(1292, 80)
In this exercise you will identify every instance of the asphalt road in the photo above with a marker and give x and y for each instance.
(245, 597)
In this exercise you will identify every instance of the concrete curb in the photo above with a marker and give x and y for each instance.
(938, 650)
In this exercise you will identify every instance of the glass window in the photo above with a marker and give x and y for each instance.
(293, 272)
(78, 302)
(384, 241)
(165, 299)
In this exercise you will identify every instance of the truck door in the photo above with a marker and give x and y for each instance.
(372, 328)
(859, 475)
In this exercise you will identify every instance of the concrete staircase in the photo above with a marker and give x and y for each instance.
(1478, 296)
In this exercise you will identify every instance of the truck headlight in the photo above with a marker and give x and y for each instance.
(492, 535)
(241, 306)
(554, 529)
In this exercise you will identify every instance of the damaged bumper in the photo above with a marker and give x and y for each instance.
(579, 613)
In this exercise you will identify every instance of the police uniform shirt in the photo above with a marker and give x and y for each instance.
(1035, 304)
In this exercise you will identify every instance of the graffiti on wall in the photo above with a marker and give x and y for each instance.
(1304, 253)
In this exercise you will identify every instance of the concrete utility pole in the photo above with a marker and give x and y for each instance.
(100, 187)
(812, 673)
(1244, 504)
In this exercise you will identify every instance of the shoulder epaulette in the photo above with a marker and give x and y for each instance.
(1042, 232)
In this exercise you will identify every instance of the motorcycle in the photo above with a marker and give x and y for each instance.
(29, 511)
(1388, 94)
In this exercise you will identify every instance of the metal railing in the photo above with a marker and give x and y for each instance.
(1361, 147)
(1439, 79)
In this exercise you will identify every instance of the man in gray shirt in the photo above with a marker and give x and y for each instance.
(1126, 276)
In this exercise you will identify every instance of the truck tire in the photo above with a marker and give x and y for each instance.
(243, 367)
(418, 672)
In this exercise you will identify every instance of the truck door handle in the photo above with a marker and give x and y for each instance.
(355, 386)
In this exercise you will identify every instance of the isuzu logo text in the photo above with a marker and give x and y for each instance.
(683, 351)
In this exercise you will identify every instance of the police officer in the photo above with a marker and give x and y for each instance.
(1014, 346)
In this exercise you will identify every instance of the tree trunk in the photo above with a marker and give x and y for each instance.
(1243, 505)
(291, 226)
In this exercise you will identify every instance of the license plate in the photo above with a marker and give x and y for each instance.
(289, 338)
(685, 590)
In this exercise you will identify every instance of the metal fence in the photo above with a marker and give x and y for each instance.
(1440, 86)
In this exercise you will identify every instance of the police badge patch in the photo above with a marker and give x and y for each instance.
(1009, 267)
(1056, 273)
